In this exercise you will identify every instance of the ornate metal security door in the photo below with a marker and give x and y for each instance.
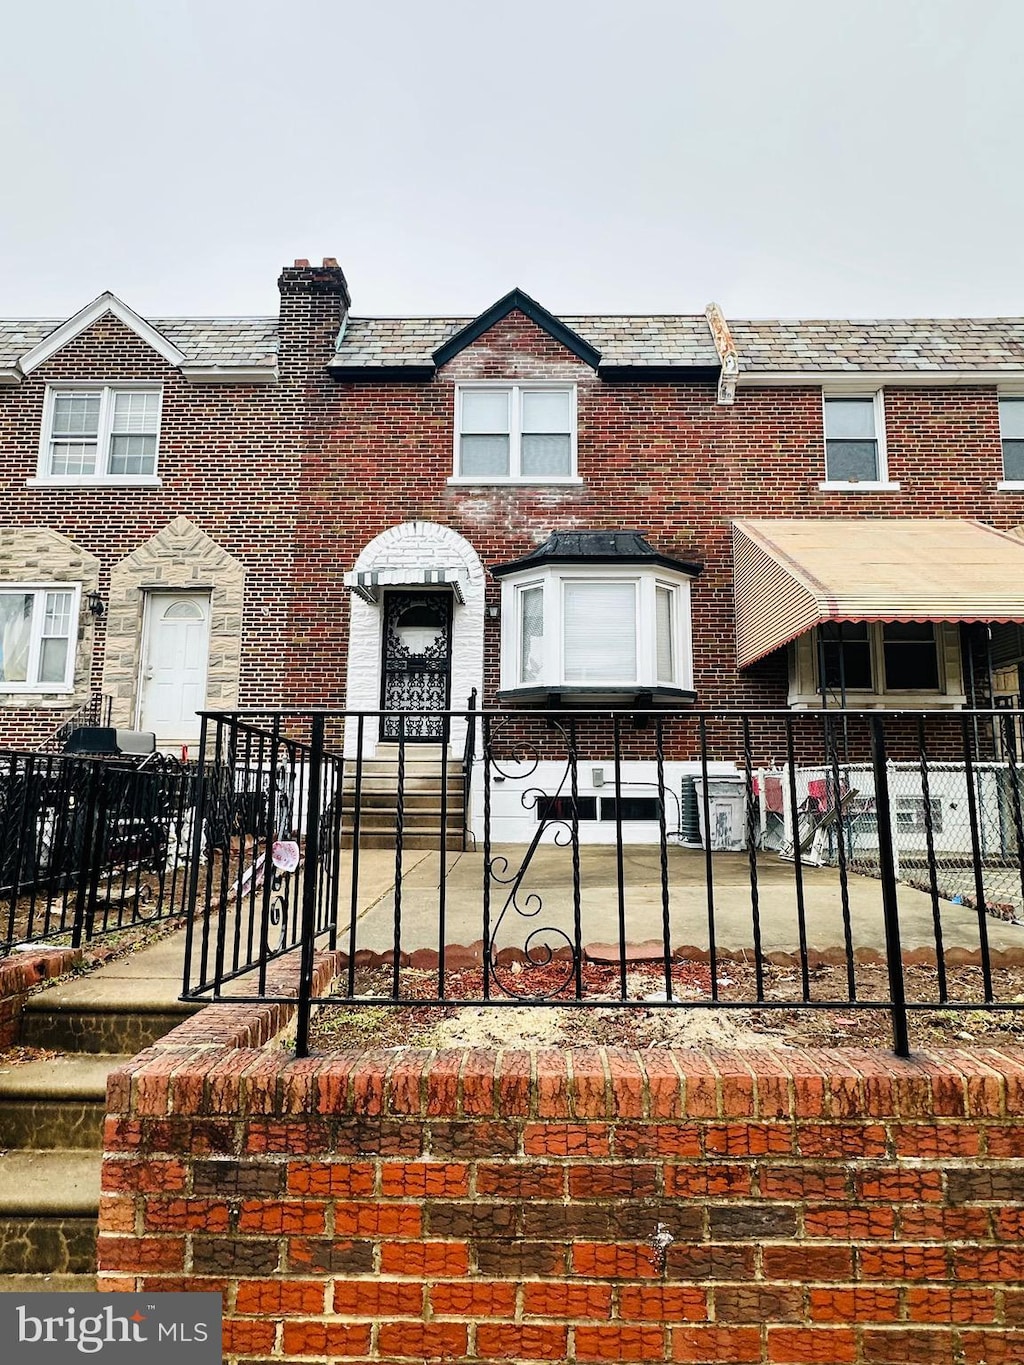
(417, 663)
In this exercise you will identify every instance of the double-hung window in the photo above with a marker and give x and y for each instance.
(38, 628)
(508, 433)
(855, 441)
(101, 433)
(1011, 429)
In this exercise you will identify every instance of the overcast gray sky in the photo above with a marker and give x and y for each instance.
(784, 157)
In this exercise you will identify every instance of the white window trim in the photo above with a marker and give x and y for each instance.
(804, 688)
(883, 484)
(1007, 485)
(553, 580)
(106, 388)
(35, 642)
(515, 389)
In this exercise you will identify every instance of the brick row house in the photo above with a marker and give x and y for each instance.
(660, 511)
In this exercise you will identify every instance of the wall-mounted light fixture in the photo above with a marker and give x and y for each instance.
(492, 612)
(94, 603)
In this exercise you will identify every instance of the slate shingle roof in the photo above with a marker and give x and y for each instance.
(887, 344)
(204, 341)
(779, 346)
(663, 340)
(814, 346)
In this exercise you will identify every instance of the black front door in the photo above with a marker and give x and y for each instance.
(417, 664)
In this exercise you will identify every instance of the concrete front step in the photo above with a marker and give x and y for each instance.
(49, 1203)
(45, 1283)
(386, 798)
(48, 1245)
(411, 839)
(416, 821)
(102, 1026)
(57, 1103)
(412, 785)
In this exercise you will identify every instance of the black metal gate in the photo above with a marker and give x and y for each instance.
(416, 674)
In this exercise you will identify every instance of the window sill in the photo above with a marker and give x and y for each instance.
(1010, 486)
(881, 701)
(93, 481)
(617, 695)
(463, 481)
(839, 486)
(9, 692)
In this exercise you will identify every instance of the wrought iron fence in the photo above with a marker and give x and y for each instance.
(89, 846)
(612, 854)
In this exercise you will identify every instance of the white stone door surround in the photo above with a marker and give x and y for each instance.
(415, 546)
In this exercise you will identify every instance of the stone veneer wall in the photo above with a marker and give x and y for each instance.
(583, 1205)
(37, 556)
(180, 557)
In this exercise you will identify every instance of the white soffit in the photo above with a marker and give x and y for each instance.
(92, 312)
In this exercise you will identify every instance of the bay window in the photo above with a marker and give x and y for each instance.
(593, 630)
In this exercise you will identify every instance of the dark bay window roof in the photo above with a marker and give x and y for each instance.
(596, 547)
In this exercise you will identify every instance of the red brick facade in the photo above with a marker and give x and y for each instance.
(586, 1205)
(294, 478)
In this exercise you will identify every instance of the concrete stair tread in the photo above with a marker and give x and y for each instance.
(99, 994)
(47, 1283)
(50, 1184)
(81, 1077)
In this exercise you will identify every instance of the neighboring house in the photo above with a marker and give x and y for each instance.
(147, 515)
(272, 512)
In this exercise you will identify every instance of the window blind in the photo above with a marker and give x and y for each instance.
(599, 632)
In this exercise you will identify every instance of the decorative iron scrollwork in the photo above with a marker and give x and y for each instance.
(524, 974)
(417, 655)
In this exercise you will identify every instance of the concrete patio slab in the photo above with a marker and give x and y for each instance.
(544, 902)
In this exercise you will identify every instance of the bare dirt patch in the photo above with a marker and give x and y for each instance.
(735, 1021)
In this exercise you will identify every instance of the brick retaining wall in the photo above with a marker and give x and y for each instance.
(19, 977)
(585, 1205)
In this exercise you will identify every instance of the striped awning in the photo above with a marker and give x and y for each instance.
(792, 575)
(367, 583)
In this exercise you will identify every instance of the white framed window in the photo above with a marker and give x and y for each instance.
(515, 433)
(855, 453)
(1011, 431)
(38, 632)
(583, 629)
(100, 433)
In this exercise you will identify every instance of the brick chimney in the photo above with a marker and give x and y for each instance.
(314, 304)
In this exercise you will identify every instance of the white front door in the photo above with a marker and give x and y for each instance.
(175, 657)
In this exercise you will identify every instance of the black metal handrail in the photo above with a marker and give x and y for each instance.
(96, 711)
(822, 837)
(468, 757)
